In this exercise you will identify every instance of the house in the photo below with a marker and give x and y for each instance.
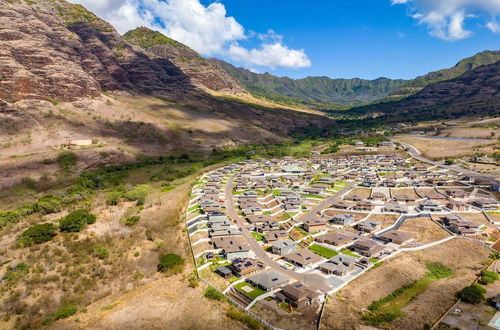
(395, 208)
(314, 225)
(459, 225)
(396, 236)
(341, 205)
(429, 206)
(232, 247)
(302, 258)
(293, 169)
(297, 294)
(456, 206)
(245, 266)
(224, 271)
(367, 247)
(272, 236)
(335, 238)
(283, 247)
(379, 196)
(339, 265)
(343, 219)
(363, 206)
(368, 226)
(268, 280)
(486, 204)
(405, 198)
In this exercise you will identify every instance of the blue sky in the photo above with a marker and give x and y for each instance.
(335, 38)
(366, 39)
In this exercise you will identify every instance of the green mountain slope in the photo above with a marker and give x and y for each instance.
(476, 93)
(319, 91)
(465, 65)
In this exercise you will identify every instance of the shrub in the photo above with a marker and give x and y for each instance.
(66, 160)
(472, 294)
(65, 311)
(488, 277)
(76, 221)
(132, 220)
(235, 314)
(37, 234)
(114, 197)
(449, 161)
(212, 293)
(8, 217)
(438, 270)
(137, 194)
(48, 204)
(101, 252)
(29, 182)
(170, 261)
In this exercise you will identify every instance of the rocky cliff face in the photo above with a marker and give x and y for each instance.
(202, 73)
(57, 50)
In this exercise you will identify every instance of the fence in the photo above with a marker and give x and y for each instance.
(239, 306)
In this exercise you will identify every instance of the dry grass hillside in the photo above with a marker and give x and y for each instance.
(465, 258)
(106, 274)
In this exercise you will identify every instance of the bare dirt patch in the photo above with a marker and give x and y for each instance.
(303, 318)
(466, 258)
(386, 219)
(424, 229)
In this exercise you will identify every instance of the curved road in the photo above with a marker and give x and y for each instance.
(415, 153)
(313, 280)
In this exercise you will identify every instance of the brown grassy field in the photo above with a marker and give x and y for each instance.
(343, 310)
(122, 288)
(475, 217)
(386, 219)
(364, 193)
(441, 149)
(303, 318)
(424, 229)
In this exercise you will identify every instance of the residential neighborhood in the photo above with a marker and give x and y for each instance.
(282, 234)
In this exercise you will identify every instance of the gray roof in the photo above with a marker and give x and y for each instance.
(269, 279)
(283, 244)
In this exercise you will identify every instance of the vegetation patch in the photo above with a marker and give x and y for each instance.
(65, 311)
(390, 307)
(472, 294)
(76, 221)
(37, 234)
(212, 293)
(242, 317)
(323, 251)
(170, 262)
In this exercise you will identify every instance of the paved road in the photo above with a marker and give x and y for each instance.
(418, 155)
(313, 280)
(449, 138)
(313, 213)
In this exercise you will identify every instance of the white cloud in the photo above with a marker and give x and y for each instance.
(446, 18)
(206, 29)
(493, 26)
(271, 55)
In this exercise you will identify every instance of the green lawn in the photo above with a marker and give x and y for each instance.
(323, 251)
(252, 294)
(194, 207)
(350, 253)
(390, 307)
(257, 236)
(313, 196)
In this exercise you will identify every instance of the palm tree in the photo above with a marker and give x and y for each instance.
(495, 256)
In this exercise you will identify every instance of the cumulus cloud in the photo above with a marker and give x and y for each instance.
(446, 18)
(271, 55)
(206, 29)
